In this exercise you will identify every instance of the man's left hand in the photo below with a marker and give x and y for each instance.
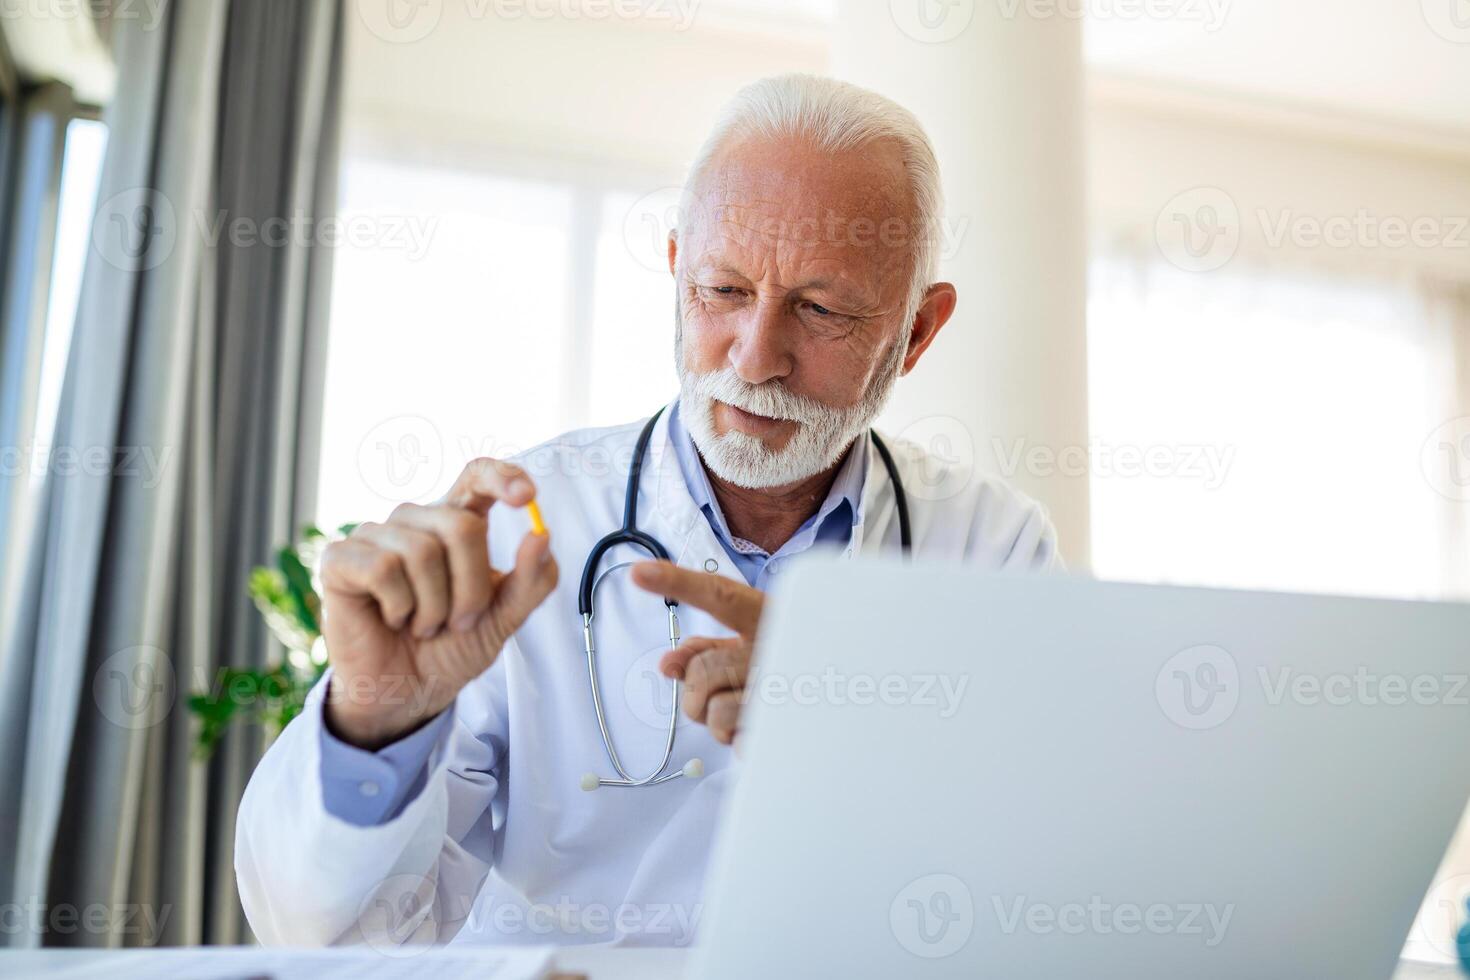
(714, 670)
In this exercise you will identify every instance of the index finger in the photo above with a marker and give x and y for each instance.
(736, 605)
(483, 481)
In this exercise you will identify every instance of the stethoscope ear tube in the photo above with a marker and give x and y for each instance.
(900, 499)
(601, 548)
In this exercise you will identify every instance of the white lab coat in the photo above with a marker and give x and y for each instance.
(502, 845)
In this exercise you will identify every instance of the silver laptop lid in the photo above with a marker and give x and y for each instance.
(949, 773)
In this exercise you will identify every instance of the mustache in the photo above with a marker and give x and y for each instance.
(769, 399)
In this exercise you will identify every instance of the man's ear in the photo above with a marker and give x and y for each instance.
(673, 251)
(934, 313)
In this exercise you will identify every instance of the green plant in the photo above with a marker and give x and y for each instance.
(288, 602)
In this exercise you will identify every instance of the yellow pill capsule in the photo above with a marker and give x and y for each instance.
(538, 526)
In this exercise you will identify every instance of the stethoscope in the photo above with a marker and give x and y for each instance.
(629, 534)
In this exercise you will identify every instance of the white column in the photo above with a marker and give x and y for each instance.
(1000, 92)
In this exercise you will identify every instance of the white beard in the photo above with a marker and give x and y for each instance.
(823, 433)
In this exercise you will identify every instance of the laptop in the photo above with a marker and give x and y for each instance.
(949, 773)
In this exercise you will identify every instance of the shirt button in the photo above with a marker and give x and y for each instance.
(368, 788)
(710, 565)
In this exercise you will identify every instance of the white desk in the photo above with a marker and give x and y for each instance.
(623, 964)
(598, 963)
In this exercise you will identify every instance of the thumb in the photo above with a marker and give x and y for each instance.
(528, 584)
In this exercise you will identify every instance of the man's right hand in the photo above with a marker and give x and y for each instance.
(413, 610)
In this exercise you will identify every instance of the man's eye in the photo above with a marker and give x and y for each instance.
(820, 310)
(725, 290)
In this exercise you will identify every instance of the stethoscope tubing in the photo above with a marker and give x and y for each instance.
(629, 534)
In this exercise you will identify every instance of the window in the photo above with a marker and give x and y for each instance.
(81, 171)
(477, 314)
(57, 160)
(633, 309)
(1261, 430)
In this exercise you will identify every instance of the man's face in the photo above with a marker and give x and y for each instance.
(793, 270)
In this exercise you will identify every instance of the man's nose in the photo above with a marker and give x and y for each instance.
(761, 351)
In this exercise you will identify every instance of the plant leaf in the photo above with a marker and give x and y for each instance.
(298, 586)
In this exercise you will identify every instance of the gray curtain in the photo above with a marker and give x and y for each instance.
(33, 126)
(195, 370)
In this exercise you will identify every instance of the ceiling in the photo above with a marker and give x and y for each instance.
(1407, 61)
(1404, 61)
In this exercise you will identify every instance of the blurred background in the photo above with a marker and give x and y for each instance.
(277, 264)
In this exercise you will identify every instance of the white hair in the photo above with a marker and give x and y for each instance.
(838, 116)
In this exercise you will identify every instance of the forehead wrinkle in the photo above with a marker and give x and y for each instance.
(748, 227)
(802, 247)
(829, 225)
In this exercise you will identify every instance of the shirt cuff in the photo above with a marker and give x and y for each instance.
(369, 788)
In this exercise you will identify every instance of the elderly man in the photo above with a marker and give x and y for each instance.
(433, 789)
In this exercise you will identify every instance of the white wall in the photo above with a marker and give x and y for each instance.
(1149, 143)
(632, 93)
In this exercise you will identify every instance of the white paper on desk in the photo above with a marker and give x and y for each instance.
(357, 963)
